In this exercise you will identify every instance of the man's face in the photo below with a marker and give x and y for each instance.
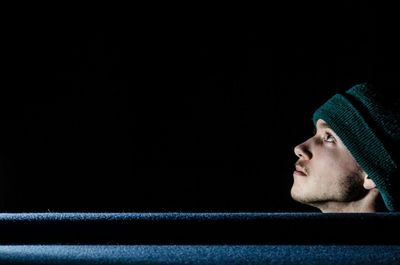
(325, 170)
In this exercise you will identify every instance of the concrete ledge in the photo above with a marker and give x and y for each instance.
(201, 254)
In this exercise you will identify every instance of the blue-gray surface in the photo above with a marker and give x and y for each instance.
(200, 216)
(122, 238)
(199, 254)
(198, 228)
(164, 216)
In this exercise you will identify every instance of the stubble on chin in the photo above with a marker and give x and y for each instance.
(349, 189)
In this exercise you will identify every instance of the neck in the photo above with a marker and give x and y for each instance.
(368, 204)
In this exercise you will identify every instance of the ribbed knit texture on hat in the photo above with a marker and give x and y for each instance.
(369, 126)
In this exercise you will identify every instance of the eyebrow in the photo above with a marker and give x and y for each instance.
(325, 126)
(322, 126)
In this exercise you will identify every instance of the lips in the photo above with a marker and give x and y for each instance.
(300, 171)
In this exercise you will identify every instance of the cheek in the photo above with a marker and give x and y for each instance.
(346, 162)
(326, 168)
(332, 164)
(327, 162)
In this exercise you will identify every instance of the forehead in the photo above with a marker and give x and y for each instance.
(321, 124)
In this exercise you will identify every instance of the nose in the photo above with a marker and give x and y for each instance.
(302, 151)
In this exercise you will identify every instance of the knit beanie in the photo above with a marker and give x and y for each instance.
(368, 123)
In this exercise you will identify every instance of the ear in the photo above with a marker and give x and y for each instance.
(368, 183)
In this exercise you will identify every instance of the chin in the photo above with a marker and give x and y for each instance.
(295, 196)
(297, 189)
(299, 196)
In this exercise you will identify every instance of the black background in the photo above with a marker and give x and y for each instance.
(172, 108)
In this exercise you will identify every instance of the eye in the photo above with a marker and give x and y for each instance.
(329, 138)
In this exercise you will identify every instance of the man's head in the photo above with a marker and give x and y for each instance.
(354, 155)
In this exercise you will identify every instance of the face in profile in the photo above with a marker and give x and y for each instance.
(325, 170)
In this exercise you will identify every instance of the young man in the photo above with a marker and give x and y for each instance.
(352, 162)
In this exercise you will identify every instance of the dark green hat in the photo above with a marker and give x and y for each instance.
(368, 123)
